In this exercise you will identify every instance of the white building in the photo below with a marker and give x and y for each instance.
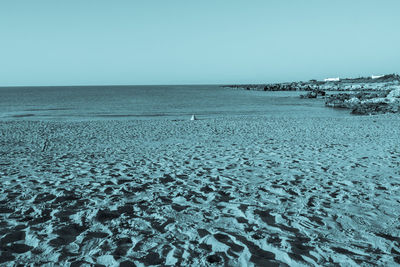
(332, 79)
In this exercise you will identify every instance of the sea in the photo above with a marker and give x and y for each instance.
(173, 102)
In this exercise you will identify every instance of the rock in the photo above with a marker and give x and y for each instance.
(314, 94)
(350, 100)
(311, 94)
(320, 92)
(366, 103)
(394, 93)
(373, 108)
(337, 101)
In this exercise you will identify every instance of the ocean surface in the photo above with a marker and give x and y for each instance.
(153, 102)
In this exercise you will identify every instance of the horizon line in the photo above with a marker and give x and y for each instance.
(175, 84)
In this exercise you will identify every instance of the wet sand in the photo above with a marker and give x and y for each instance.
(243, 191)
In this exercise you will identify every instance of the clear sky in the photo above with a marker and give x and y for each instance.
(79, 42)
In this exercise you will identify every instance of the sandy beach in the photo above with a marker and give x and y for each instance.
(244, 191)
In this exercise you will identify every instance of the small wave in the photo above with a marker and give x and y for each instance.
(46, 109)
(23, 115)
(128, 115)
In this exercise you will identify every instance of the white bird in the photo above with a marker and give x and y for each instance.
(193, 118)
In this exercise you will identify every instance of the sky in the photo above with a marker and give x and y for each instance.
(99, 42)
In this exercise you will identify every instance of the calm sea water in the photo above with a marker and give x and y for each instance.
(152, 102)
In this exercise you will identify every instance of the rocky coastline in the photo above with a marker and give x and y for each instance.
(346, 84)
(367, 103)
(363, 96)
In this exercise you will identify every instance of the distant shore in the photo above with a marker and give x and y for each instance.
(346, 84)
(363, 96)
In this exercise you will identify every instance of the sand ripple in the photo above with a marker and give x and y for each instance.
(244, 191)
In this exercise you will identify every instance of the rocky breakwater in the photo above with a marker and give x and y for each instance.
(293, 86)
(345, 84)
(367, 103)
